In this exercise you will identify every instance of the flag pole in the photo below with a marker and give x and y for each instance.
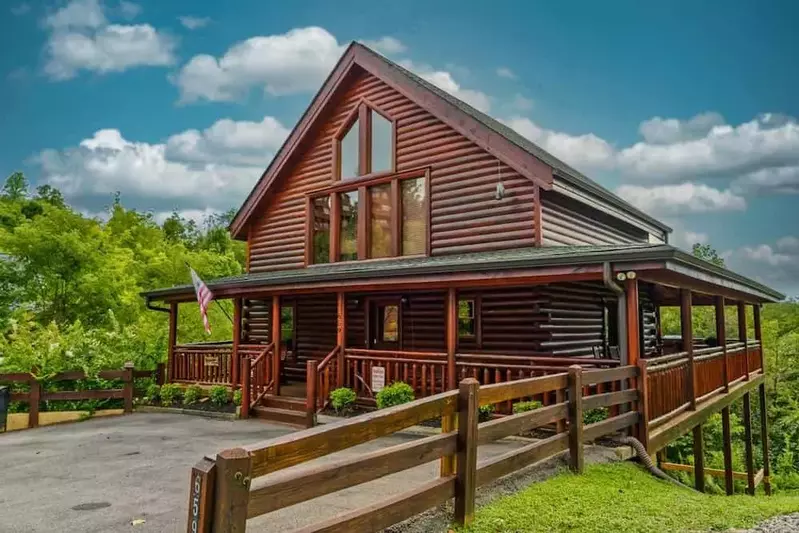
(215, 300)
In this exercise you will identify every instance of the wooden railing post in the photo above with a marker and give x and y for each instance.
(34, 399)
(232, 491)
(466, 481)
(643, 403)
(742, 336)
(235, 364)
(576, 419)
(128, 388)
(721, 337)
(160, 373)
(277, 365)
(726, 444)
(310, 393)
(245, 387)
(202, 486)
(764, 439)
(749, 453)
(687, 332)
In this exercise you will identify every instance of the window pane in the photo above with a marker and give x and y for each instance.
(380, 220)
(414, 219)
(381, 143)
(349, 152)
(390, 323)
(321, 229)
(349, 226)
(466, 321)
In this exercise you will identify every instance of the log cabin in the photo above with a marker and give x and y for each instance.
(400, 234)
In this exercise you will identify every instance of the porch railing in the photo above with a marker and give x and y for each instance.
(206, 363)
(257, 378)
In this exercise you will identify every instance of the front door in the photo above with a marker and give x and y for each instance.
(385, 324)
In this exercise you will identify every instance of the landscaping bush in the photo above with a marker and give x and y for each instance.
(595, 415)
(237, 397)
(192, 394)
(395, 394)
(170, 393)
(343, 400)
(522, 407)
(484, 413)
(218, 395)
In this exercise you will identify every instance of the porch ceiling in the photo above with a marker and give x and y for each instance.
(505, 267)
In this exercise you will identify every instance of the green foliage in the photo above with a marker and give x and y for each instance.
(343, 400)
(395, 394)
(484, 413)
(170, 393)
(522, 407)
(192, 394)
(595, 415)
(237, 397)
(219, 395)
(623, 497)
(153, 392)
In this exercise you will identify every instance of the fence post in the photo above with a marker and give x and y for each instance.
(232, 490)
(576, 418)
(643, 403)
(310, 393)
(160, 373)
(33, 403)
(245, 387)
(201, 497)
(466, 477)
(128, 388)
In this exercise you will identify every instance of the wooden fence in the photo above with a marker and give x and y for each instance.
(36, 395)
(221, 498)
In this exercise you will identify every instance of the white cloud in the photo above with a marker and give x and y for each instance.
(193, 23)
(781, 180)
(505, 72)
(212, 169)
(386, 45)
(82, 39)
(443, 80)
(20, 9)
(658, 130)
(129, 10)
(680, 199)
(585, 151)
(520, 103)
(776, 265)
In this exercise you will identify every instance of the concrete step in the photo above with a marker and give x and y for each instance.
(284, 416)
(284, 402)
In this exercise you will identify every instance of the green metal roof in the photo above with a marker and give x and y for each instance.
(502, 260)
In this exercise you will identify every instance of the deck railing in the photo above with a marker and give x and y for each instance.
(222, 497)
(257, 378)
(206, 363)
(426, 372)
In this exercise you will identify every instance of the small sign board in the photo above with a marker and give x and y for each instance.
(211, 360)
(378, 378)
(200, 497)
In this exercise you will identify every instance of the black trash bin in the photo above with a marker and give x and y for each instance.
(5, 399)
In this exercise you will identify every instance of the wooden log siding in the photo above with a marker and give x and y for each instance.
(256, 321)
(461, 174)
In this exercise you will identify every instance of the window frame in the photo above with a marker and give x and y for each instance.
(362, 185)
(362, 113)
(476, 337)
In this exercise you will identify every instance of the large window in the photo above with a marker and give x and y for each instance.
(395, 219)
(365, 144)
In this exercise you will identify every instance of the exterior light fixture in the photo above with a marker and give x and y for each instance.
(631, 275)
(621, 276)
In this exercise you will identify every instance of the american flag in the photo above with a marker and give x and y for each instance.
(204, 297)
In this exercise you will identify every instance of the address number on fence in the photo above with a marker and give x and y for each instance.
(378, 378)
(200, 499)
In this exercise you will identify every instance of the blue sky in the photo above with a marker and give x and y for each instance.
(687, 109)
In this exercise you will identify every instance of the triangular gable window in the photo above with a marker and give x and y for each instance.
(364, 145)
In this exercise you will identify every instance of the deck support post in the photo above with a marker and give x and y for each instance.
(642, 431)
(726, 444)
(699, 459)
(721, 338)
(277, 350)
(749, 457)
(687, 332)
(173, 340)
(633, 326)
(759, 335)
(341, 336)
(576, 419)
(448, 421)
(466, 480)
(235, 364)
(764, 440)
(742, 335)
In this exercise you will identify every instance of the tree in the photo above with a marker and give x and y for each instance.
(708, 253)
(16, 186)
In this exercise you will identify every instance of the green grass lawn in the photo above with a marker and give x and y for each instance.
(624, 497)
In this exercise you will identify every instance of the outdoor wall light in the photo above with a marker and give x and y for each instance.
(631, 275)
(621, 276)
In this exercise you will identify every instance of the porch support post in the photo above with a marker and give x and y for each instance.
(759, 335)
(633, 335)
(764, 440)
(276, 352)
(341, 336)
(749, 457)
(726, 444)
(452, 336)
(699, 459)
(742, 335)
(236, 363)
(687, 332)
(173, 339)
(721, 337)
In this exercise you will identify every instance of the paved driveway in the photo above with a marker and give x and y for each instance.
(102, 474)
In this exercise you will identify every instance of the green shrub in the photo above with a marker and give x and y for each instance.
(237, 397)
(153, 392)
(523, 407)
(343, 400)
(395, 394)
(218, 395)
(170, 393)
(192, 394)
(595, 415)
(484, 413)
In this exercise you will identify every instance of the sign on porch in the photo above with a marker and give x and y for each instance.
(211, 360)
(378, 378)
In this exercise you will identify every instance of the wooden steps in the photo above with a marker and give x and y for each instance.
(282, 409)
